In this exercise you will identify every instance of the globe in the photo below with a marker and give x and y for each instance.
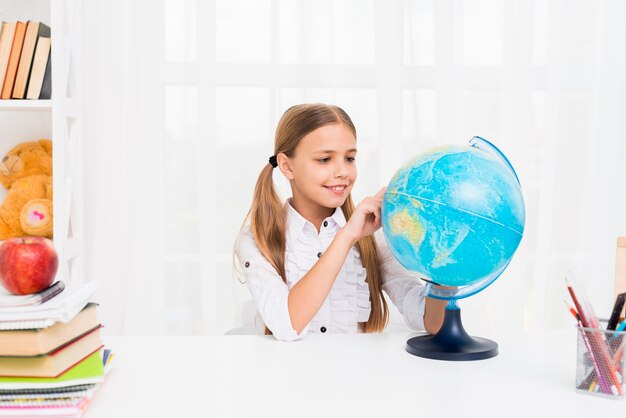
(455, 215)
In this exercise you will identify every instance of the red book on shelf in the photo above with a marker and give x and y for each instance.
(14, 59)
(6, 42)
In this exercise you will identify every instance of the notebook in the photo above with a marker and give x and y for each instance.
(62, 407)
(55, 363)
(8, 300)
(10, 393)
(61, 308)
(32, 342)
(88, 371)
(60, 401)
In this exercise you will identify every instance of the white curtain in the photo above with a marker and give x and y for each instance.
(181, 98)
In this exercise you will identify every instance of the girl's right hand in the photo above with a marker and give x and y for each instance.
(366, 218)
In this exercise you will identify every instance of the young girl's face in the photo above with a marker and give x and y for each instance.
(323, 169)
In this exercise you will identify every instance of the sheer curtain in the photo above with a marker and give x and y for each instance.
(182, 97)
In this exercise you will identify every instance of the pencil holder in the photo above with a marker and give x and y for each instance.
(600, 362)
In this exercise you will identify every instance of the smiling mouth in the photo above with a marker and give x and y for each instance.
(336, 189)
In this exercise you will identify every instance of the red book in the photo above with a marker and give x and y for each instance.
(6, 42)
(14, 59)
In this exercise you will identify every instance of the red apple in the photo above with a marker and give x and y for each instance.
(27, 265)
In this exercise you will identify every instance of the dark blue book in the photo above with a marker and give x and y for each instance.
(46, 87)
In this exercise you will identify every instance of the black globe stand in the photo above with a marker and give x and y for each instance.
(451, 342)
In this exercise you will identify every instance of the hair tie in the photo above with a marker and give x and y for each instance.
(273, 161)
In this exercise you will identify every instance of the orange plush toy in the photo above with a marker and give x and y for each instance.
(26, 172)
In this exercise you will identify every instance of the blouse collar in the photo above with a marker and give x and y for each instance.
(297, 224)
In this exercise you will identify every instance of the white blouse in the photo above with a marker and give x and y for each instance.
(348, 302)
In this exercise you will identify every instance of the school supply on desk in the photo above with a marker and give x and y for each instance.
(71, 398)
(60, 404)
(61, 308)
(31, 342)
(574, 313)
(66, 409)
(600, 360)
(617, 310)
(591, 367)
(52, 358)
(68, 400)
(620, 268)
(8, 300)
(54, 363)
(107, 359)
(88, 371)
(8, 393)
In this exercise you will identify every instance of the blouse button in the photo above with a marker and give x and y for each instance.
(319, 255)
(325, 223)
(247, 264)
(323, 329)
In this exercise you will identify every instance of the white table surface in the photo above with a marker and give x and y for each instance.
(362, 375)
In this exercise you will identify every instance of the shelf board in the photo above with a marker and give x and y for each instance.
(25, 105)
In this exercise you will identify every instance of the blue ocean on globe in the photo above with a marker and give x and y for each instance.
(455, 214)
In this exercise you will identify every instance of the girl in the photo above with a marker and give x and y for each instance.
(313, 264)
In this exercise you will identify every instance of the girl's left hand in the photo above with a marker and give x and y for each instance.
(366, 217)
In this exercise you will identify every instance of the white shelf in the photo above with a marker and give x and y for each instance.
(25, 105)
(58, 119)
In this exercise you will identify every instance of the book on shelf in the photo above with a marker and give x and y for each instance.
(34, 32)
(33, 342)
(6, 41)
(14, 59)
(46, 85)
(38, 71)
(55, 363)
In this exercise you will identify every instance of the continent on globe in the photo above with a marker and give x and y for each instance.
(403, 223)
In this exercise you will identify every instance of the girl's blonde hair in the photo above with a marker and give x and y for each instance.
(268, 217)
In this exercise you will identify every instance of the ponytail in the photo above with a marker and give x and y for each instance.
(268, 221)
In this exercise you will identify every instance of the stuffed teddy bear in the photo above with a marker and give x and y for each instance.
(26, 172)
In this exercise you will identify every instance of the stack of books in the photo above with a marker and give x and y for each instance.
(25, 56)
(52, 358)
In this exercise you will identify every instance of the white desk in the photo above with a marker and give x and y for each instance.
(361, 375)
